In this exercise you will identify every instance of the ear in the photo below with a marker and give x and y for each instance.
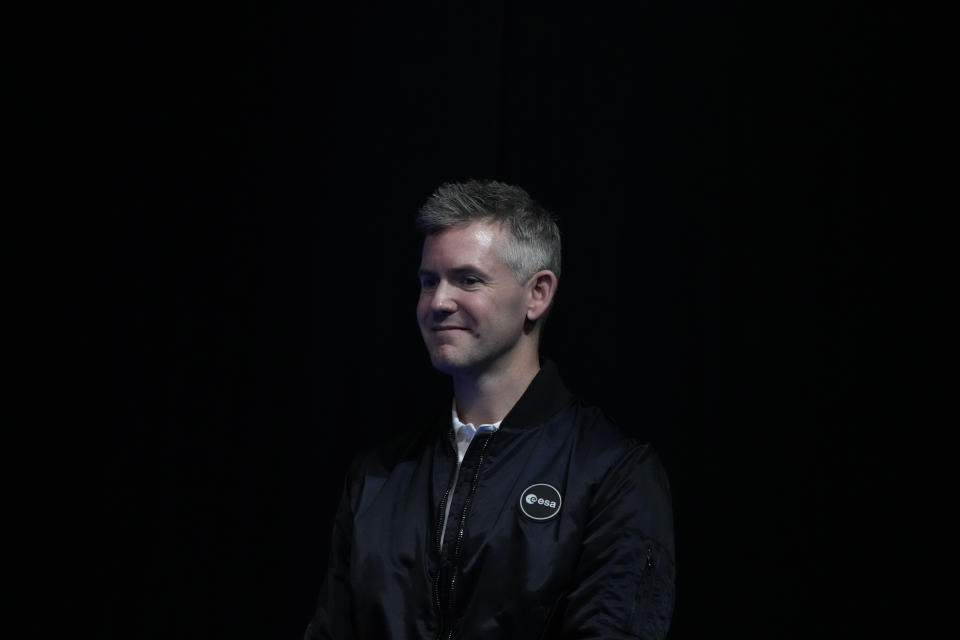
(543, 284)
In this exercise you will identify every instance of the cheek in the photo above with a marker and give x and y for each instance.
(423, 308)
(515, 309)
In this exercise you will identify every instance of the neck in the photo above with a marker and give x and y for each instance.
(488, 397)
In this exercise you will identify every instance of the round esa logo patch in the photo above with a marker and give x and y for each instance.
(540, 501)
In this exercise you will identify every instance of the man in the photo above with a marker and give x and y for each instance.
(525, 513)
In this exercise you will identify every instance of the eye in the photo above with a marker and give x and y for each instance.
(427, 283)
(470, 281)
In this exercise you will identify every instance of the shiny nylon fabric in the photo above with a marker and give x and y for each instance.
(602, 567)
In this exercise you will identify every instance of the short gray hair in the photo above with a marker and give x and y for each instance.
(534, 238)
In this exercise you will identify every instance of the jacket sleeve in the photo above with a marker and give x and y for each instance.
(333, 618)
(624, 586)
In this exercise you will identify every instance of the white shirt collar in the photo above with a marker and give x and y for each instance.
(464, 432)
(457, 424)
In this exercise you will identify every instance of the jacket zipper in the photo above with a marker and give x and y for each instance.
(436, 580)
(461, 527)
(441, 522)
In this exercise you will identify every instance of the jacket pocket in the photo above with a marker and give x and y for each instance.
(653, 605)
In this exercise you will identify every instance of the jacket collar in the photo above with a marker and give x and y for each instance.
(544, 397)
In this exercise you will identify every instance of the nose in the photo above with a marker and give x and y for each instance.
(443, 300)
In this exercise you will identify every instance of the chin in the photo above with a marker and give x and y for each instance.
(444, 364)
(446, 361)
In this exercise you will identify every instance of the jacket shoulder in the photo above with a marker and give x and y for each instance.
(599, 435)
(404, 445)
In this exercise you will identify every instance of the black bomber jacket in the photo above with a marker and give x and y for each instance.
(560, 526)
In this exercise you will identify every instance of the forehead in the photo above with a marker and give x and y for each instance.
(478, 244)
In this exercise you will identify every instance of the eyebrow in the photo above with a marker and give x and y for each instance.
(456, 271)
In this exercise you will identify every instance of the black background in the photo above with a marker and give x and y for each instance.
(247, 281)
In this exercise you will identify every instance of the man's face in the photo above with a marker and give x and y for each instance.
(471, 309)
